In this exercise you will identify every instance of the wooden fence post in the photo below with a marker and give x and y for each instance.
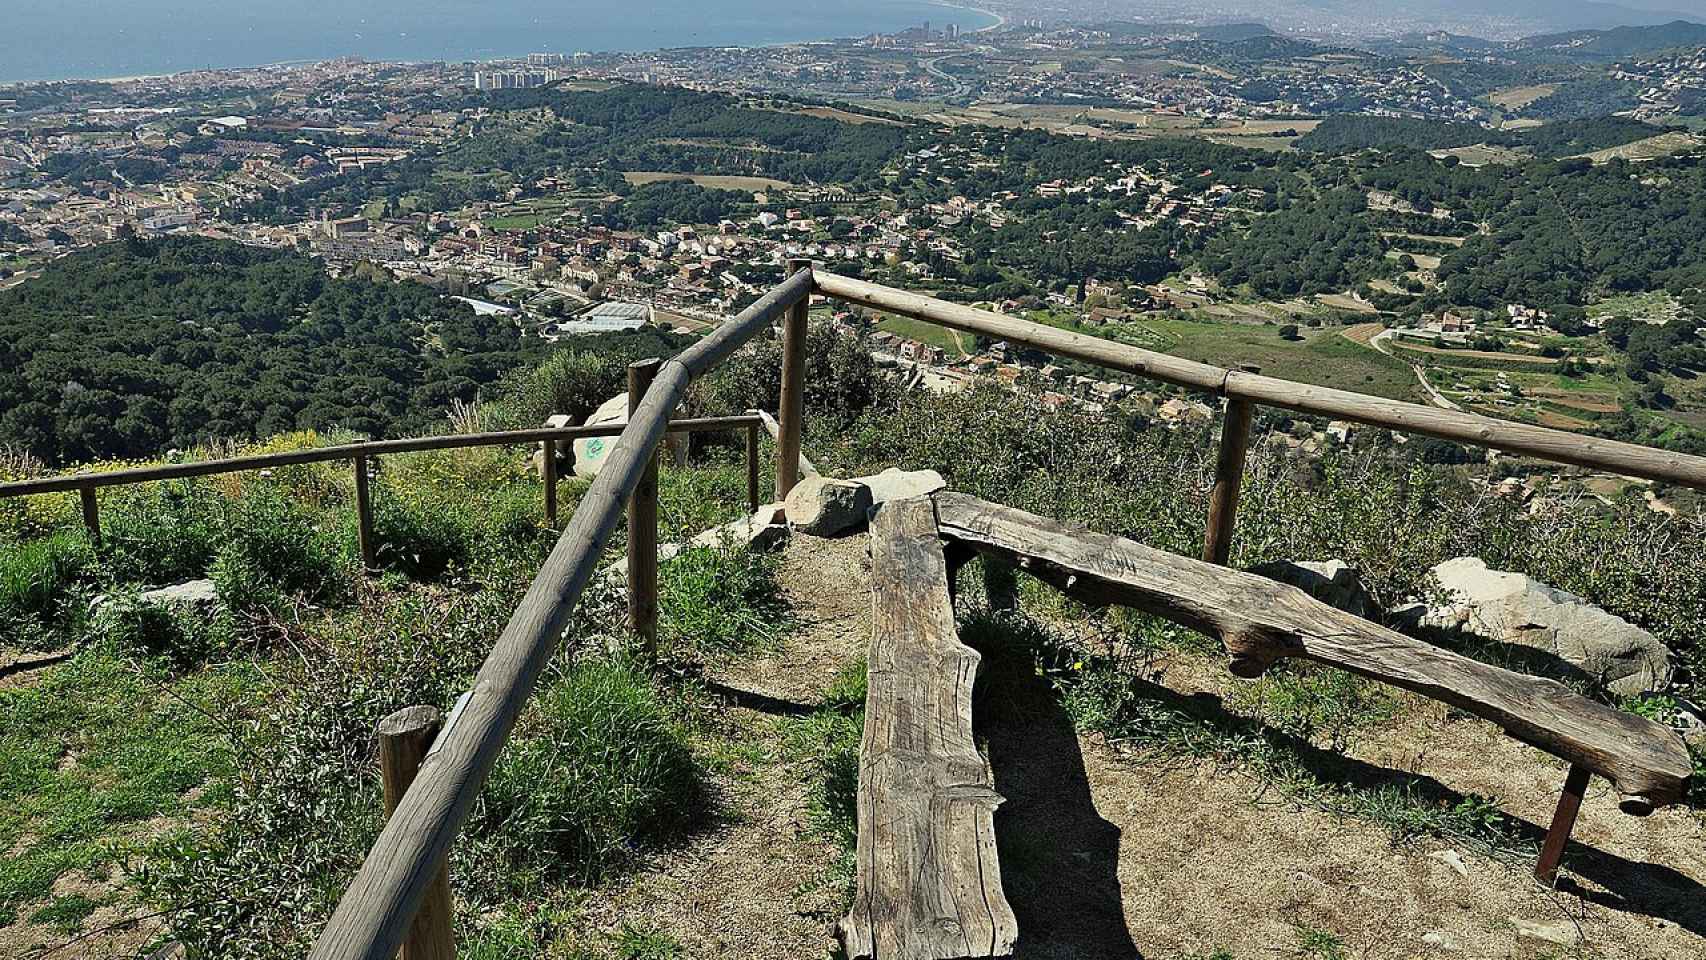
(1228, 478)
(91, 514)
(404, 739)
(790, 411)
(643, 526)
(752, 467)
(549, 468)
(364, 516)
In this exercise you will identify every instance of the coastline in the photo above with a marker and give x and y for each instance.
(95, 75)
(1000, 20)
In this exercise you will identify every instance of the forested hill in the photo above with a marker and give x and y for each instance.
(133, 347)
(1351, 133)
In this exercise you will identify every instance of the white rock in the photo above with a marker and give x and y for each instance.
(1516, 609)
(897, 484)
(196, 594)
(1558, 934)
(1452, 859)
(825, 506)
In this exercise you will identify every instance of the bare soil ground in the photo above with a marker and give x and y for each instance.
(1108, 853)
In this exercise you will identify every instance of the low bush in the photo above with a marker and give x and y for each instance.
(161, 533)
(39, 584)
(178, 633)
(274, 549)
(601, 770)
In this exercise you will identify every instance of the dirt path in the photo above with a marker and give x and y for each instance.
(755, 885)
(1116, 855)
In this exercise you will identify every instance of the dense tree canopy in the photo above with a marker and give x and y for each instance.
(133, 347)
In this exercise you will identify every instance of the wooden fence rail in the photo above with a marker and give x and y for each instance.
(362, 455)
(1244, 390)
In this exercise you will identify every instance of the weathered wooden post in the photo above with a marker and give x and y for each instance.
(643, 526)
(752, 466)
(549, 472)
(404, 739)
(790, 411)
(1228, 478)
(91, 514)
(364, 516)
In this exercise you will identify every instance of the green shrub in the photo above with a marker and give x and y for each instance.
(600, 770)
(161, 533)
(420, 536)
(258, 881)
(274, 549)
(38, 585)
(431, 533)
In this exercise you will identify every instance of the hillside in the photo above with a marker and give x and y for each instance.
(704, 806)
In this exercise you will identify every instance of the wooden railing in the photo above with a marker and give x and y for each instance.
(361, 454)
(1245, 390)
(405, 866)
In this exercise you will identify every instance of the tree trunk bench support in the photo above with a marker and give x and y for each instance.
(928, 879)
(1563, 821)
(1260, 621)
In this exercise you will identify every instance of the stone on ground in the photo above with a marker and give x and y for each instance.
(1516, 609)
(1333, 582)
(826, 506)
(897, 484)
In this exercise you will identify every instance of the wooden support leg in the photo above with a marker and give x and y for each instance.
(1228, 478)
(404, 739)
(790, 411)
(1563, 821)
(752, 468)
(643, 527)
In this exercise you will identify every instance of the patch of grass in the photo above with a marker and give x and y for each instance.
(601, 772)
(38, 587)
(827, 742)
(1319, 944)
(719, 601)
(646, 943)
(95, 749)
(66, 914)
(1313, 702)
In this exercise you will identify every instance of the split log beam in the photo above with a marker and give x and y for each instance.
(1261, 621)
(929, 882)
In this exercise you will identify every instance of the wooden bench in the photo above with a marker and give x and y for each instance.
(1261, 621)
(929, 882)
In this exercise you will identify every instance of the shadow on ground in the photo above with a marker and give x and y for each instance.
(1650, 889)
(1059, 856)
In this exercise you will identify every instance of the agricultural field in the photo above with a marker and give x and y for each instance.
(708, 180)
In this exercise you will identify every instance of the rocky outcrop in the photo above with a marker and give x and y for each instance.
(1516, 609)
(1333, 582)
